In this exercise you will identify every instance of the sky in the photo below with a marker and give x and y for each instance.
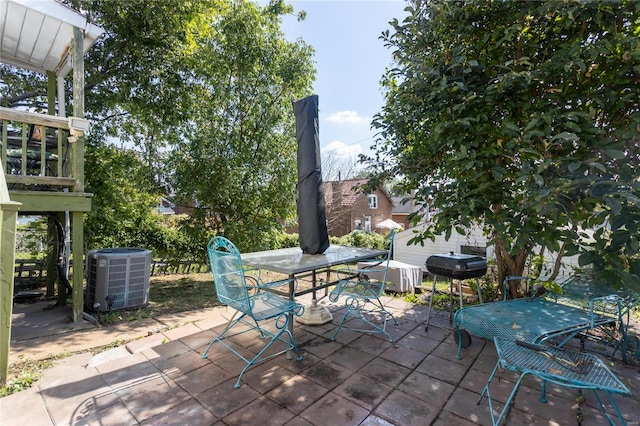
(350, 60)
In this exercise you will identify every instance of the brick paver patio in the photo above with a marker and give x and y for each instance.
(357, 380)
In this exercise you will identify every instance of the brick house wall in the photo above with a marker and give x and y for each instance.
(347, 209)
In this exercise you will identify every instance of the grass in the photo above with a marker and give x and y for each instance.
(441, 298)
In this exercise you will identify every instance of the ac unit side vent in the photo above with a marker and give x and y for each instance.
(120, 274)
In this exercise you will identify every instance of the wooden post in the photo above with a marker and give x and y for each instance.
(77, 225)
(51, 230)
(51, 258)
(77, 229)
(8, 226)
(78, 106)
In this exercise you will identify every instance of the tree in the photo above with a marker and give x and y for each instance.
(136, 94)
(337, 167)
(521, 116)
(122, 208)
(138, 73)
(202, 91)
(235, 162)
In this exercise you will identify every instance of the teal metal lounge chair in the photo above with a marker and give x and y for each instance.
(584, 305)
(256, 306)
(568, 368)
(363, 296)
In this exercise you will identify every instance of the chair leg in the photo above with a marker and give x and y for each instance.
(543, 392)
(344, 317)
(385, 312)
(221, 337)
(291, 345)
(281, 324)
(488, 393)
(356, 307)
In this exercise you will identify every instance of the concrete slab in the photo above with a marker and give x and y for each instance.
(333, 409)
(403, 409)
(297, 393)
(24, 408)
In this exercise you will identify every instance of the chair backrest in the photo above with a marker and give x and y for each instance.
(228, 274)
(383, 265)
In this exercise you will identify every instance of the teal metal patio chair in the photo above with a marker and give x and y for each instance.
(363, 296)
(258, 308)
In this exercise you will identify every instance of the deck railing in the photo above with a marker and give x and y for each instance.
(35, 149)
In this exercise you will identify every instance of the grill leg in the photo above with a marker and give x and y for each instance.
(451, 300)
(433, 292)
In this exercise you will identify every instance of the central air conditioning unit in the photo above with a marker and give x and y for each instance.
(117, 278)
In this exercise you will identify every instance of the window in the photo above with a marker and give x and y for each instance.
(357, 224)
(367, 223)
(473, 250)
(373, 201)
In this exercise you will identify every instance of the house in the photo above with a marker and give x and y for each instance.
(401, 210)
(348, 208)
(474, 242)
(165, 207)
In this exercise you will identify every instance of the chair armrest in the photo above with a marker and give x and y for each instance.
(349, 273)
(253, 271)
(255, 283)
(612, 300)
(514, 278)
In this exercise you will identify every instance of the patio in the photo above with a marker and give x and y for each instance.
(357, 380)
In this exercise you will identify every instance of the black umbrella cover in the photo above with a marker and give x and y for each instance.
(312, 219)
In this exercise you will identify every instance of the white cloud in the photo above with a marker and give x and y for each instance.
(342, 150)
(347, 117)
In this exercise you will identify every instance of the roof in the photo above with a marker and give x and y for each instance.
(350, 193)
(406, 208)
(37, 34)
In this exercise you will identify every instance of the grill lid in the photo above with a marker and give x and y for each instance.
(457, 265)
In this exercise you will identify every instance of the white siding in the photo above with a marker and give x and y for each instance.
(416, 254)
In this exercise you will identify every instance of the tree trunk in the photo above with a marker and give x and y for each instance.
(509, 264)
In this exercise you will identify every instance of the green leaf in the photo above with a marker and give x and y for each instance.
(585, 259)
(574, 166)
(566, 136)
(616, 154)
(538, 179)
(614, 204)
(618, 222)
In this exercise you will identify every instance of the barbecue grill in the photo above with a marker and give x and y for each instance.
(457, 266)
(454, 266)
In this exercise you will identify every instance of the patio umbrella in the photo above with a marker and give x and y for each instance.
(312, 220)
(388, 224)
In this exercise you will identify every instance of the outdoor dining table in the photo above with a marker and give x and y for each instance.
(295, 264)
(292, 262)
